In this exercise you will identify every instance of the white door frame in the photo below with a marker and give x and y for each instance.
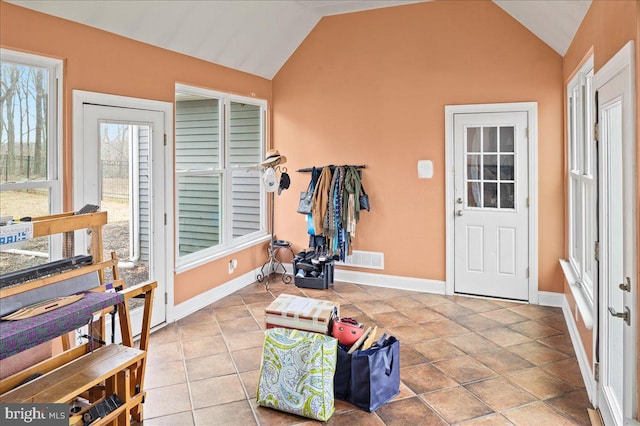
(624, 58)
(81, 97)
(531, 108)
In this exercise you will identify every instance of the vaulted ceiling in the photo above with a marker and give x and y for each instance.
(258, 36)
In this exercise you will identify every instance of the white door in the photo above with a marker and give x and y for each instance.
(617, 293)
(490, 205)
(120, 167)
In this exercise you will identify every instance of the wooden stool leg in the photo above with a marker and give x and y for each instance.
(124, 393)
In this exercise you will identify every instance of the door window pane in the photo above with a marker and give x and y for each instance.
(474, 194)
(125, 194)
(473, 166)
(473, 139)
(506, 139)
(506, 167)
(490, 168)
(491, 195)
(507, 200)
(490, 139)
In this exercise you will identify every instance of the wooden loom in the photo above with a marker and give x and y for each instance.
(92, 370)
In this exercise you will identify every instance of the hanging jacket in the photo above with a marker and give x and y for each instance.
(321, 199)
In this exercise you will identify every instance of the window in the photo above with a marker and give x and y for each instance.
(490, 172)
(219, 144)
(582, 179)
(30, 184)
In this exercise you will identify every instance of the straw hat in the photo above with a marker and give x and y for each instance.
(273, 158)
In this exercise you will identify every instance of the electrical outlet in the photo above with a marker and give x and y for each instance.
(233, 264)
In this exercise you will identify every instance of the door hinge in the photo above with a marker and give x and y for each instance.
(166, 298)
(596, 371)
(527, 272)
(596, 251)
(165, 139)
(528, 203)
(165, 219)
(596, 127)
(527, 132)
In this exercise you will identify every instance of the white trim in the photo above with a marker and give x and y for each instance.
(614, 66)
(208, 297)
(531, 108)
(390, 281)
(186, 266)
(583, 361)
(582, 302)
(549, 298)
(80, 97)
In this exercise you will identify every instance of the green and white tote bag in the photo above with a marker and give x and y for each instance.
(296, 375)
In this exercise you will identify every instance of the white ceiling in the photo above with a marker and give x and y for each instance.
(554, 21)
(258, 36)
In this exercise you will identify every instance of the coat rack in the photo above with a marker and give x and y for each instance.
(332, 167)
(273, 264)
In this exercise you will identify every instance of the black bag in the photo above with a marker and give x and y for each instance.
(370, 378)
(364, 199)
(343, 375)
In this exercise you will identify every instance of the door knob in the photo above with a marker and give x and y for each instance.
(459, 213)
(626, 285)
(626, 315)
(459, 201)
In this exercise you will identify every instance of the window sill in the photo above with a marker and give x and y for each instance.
(186, 266)
(585, 307)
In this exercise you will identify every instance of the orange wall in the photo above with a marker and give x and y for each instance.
(99, 61)
(370, 88)
(606, 28)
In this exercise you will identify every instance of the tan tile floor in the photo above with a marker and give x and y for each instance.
(463, 361)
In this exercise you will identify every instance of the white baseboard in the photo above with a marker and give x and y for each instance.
(583, 361)
(390, 281)
(548, 298)
(205, 299)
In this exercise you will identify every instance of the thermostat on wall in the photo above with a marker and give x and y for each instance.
(425, 169)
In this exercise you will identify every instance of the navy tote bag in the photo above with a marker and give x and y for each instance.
(375, 375)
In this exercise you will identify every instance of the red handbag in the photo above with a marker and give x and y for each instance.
(347, 331)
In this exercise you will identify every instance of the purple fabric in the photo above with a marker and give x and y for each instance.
(17, 336)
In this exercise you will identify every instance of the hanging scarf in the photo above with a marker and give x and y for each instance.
(353, 187)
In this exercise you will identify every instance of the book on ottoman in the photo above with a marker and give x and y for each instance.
(300, 313)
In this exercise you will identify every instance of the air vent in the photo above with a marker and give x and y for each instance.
(364, 259)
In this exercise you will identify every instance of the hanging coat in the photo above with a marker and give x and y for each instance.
(321, 199)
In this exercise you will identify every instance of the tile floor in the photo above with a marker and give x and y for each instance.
(463, 361)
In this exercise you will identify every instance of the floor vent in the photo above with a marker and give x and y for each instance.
(364, 259)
